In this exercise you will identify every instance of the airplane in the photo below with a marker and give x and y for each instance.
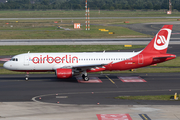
(66, 65)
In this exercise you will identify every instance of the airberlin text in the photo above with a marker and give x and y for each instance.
(49, 59)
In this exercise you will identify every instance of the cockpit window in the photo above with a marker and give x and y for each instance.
(13, 59)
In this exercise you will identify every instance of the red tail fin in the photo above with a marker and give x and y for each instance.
(161, 41)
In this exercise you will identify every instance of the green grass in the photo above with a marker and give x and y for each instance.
(14, 50)
(81, 13)
(29, 29)
(30, 23)
(172, 63)
(21, 33)
(4, 71)
(146, 97)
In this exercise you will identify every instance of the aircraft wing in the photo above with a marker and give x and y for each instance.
(85, 67)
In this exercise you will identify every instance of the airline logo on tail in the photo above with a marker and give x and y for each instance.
(162, 39)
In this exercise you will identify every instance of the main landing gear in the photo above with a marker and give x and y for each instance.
(85, 77)
(27, 76)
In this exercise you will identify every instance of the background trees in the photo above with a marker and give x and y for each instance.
(93, 4)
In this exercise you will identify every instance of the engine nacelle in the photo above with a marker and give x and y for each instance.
(64, 73)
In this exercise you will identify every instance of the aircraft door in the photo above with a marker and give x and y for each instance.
(26, 60)
(140, 59)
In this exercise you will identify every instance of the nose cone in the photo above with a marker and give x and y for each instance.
(7, 65)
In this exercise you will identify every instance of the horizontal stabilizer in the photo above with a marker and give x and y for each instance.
(163, 57)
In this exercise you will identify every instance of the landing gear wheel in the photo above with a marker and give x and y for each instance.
(27, 76)
(85, 78)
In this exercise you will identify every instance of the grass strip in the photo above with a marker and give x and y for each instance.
(140, 70)
(171, 63)
(147, 97)
(14, 50)
(33, 24)
(4, 71)
(54, 33)
(81, 13)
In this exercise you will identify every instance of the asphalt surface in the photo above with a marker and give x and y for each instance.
(49, 89)
(153, 28)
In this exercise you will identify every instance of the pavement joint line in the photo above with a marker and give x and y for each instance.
(110, 79)
(144, 116)
(176, 116)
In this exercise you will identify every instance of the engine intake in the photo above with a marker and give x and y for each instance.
(64, 73)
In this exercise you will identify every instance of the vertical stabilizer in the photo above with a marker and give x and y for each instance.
(160, 42)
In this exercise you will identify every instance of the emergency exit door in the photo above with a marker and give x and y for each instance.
(140, 59)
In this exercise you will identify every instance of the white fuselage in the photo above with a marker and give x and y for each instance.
(52, 61)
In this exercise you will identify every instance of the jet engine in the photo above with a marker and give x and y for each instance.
(63, 73)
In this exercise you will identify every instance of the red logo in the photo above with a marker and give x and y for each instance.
(49, 59)
(162, 39)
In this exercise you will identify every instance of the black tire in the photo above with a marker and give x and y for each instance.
(86, 78)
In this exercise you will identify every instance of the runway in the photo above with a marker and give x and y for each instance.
(14, 88)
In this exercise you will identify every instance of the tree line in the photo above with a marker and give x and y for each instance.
(92, 4)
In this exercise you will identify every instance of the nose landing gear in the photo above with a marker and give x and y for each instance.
(27, 76)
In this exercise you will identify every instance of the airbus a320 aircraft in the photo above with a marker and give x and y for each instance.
(66, 65)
